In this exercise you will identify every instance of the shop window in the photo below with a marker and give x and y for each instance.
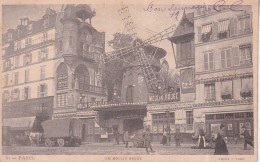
(226, 90)
(62, 76)
(244, 24)
(223, 29)
(245, 54)
(206, 32)
(130, 94)
(229, 116)
(62, 99)
(246, 88)
(239, 115)
(27, 59)
(209, 116)
(208, 61)
(226, 58)
(43, 54)
(189, 120)
(210, 92)
(220, 116)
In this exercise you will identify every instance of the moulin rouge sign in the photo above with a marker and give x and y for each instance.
(167, 97)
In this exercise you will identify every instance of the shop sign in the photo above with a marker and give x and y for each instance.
(168, 97)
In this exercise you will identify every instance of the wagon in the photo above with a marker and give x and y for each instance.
(62, 132)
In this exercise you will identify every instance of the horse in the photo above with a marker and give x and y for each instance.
(35, 138)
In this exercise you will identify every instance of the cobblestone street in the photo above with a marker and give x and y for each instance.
(110, 149)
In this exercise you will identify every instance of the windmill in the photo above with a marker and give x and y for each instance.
(137, 49)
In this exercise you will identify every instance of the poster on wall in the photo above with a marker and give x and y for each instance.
(187, 80)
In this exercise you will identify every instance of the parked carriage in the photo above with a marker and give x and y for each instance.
(62, 132)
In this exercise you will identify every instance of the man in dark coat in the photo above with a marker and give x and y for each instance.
(247, 138)
(178, 138)
(220, 146)
(148, 140)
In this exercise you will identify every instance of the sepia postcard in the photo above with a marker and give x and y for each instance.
(121, 80)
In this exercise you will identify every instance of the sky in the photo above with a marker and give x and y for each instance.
(106, 20)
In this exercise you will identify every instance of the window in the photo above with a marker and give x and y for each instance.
(249, 114)
(30, 27)
(7, 64)
(223, 31)
(42, 76)
(16, 76)
(226, 90)
(246, 87)
(206, 33)
(130, 94)
(19, 45)
(42, 90)
(16, 95)
(244, 24)
(245, 54)
(186, 50)
(70, 41)
(226, 58)
(62, 99)
(26, 94)
(160, 122)
(208, 61)
(27, 59)
(239, 115)
(189, 120)
(43, 54)
(220, 116)
(28, 41)
(16, 61)
(60, 45)
(45, 37)
(6, 96)
(6, 80)
(26, 77)
(9, 37)
(236, 58)
(210, 92)
(209, 116)
(62, 76)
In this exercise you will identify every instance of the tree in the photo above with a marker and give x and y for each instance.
(171, 80)
(113, 71)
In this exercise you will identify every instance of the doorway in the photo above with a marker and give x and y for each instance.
(132, 124)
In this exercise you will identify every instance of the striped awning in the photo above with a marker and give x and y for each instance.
(223, 26)
(206, 28)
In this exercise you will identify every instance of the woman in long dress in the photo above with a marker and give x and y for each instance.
(201, 142)
(221, 147)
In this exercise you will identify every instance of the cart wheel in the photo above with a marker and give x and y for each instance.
(48, 142)
(60, 142)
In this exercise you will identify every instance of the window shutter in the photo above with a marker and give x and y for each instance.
(215, 31)
(236, 59)
(46, 90)
(29, 92)
(199, 34)
(231, 27)
(205, 61)
(38, 90)
(223, 59)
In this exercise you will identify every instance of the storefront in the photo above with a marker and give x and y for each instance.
(22, 117)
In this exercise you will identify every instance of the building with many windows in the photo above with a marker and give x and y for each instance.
(51, 69)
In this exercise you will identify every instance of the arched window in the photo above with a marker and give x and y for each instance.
(62, 76)
(130, 94)
(82, 77)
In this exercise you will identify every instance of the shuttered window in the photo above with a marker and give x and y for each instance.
(208, 61)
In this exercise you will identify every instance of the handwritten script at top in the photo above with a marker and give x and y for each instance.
(174, 10)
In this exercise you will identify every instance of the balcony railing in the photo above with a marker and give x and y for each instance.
(91, 88)
(86, 105)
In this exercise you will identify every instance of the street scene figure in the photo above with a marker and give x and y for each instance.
(126, 138)
(221, 147)
(178, 138)
(116, 136)
(148, 140)
(201, 140)
(164, 138)
(247, 138)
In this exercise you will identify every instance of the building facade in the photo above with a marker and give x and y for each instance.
(52, 67)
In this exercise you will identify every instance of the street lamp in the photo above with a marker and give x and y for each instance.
(168, 129)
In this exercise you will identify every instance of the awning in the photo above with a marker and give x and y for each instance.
(24, 123)
(223, 26)
(206, 28)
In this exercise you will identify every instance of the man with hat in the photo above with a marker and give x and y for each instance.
(247, 138)
(148, 140)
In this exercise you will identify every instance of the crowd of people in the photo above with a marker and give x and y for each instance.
(218, 142)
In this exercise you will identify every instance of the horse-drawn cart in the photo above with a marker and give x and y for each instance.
(62, 132)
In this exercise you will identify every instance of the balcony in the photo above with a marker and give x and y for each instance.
(87, 105)
(90, 88)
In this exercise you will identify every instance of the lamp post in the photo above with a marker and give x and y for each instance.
(168, 129)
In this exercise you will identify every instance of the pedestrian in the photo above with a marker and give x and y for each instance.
(178, 138)
(220, 144)
(164, 138)
(148, 140)
(247, 138)
(116, 136)
(126, 138)
(201, 139)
